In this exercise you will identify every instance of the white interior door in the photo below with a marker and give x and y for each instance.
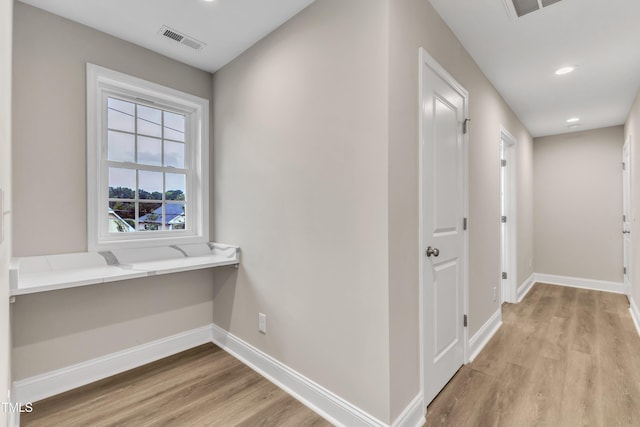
(443, 237)
(626, 214)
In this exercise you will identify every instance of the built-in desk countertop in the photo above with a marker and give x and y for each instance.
(30, 275)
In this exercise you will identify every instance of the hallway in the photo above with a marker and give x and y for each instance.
(563, 357)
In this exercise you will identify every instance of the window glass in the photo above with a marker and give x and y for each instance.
(138, 196)
(121, 115)
(174, 154)
(149, 151)
(149, 121)
(174, 126)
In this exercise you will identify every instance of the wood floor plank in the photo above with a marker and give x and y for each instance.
(285, 413)
(556, 340)
(461, 399)
(495, 357)
(151, 392)
(618, 380)
(539, 404)
(204, 386)
(579, 407)
(563, 357)
(614, 303)
(566, 302)
(585, 326)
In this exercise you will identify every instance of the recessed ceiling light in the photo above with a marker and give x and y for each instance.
(564, 70)
(573, 120)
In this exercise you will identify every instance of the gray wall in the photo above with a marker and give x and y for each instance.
(55, 329)
(316, 175)
(578, 204)
(414, 23)
(301, 185)
(525, 188)
(5, 183)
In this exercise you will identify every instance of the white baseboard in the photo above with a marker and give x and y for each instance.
(575, 282)
(482, 337)
(524, 288)
(332, 407)
(324, 402)
(51, 383)
(413, 415)
(635, 313)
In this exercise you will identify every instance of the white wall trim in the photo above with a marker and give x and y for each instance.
(525, 287)
(51, 383)
(575, 282)
(333, 408)
(509, 247)
(103, 82)
(482, 337)
(413, 415)
(635, 313)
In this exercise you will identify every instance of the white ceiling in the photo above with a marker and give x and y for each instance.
(228, 27)
(519, 56)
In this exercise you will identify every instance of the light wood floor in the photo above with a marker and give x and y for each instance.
(563, 357)
(204, 386)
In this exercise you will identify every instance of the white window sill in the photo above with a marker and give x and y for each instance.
(30, 275)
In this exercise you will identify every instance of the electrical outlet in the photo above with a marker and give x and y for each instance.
(262, 323)
(495, 293)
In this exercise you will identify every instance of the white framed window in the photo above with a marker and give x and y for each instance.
(147, 163)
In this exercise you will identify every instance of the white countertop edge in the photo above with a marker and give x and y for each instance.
(57, 279)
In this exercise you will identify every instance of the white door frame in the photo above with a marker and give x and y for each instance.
(427, 60)
(627, 201)
(509, 245)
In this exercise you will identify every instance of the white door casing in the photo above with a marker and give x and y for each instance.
(626, 215)
(508, 205)
(443, 239)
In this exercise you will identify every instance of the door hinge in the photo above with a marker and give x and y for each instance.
(503, 219)
(465, 223)
(624, 270)
(465, 320)
(624, 218)
(504, 274)
(465, 126)
(503, 162)
(624, 165)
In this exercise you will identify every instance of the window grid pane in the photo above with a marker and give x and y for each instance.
(152, 143)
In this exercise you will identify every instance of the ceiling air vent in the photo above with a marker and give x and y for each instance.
(519, 8)
(181, 38)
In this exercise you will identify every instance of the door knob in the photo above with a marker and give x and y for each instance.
(432, 251)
